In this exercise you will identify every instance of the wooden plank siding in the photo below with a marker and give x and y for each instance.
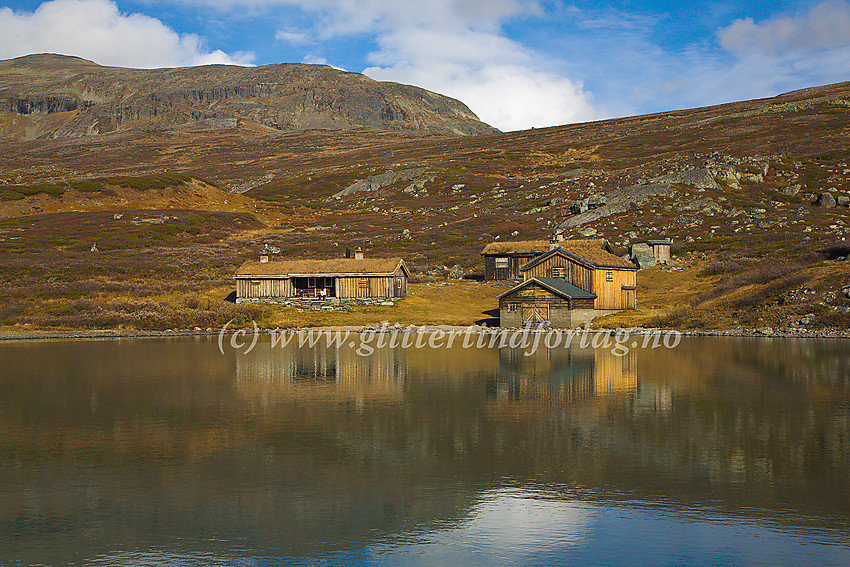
(575, 273)
(610, 294)
(347, 287)
(511, 272)
(264, 287)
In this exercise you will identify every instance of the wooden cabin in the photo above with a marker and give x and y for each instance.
(661, 250)
(502, 260)
(343, 278)
(588, 265)
(541, 299)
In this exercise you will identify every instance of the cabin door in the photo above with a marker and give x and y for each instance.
(399, 288)
(535, 313)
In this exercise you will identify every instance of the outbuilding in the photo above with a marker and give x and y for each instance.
(541, 299)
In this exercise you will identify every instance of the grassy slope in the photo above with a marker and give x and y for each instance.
(762, 259)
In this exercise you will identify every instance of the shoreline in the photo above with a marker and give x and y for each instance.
(765, 332)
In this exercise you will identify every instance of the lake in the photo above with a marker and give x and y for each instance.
(161, 451)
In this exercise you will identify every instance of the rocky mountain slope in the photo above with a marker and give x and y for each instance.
(59, 96)
(754, 195)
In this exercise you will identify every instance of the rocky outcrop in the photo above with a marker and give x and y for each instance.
(284, 97)
(619, 201)
(379, 181)
(699, 177)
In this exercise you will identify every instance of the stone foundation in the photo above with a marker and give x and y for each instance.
(558, 319)
(329, 304)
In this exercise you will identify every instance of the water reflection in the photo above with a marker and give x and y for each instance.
(167, 452)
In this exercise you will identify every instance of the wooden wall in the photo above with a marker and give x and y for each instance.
(662, 252)
(346, 287)
(574, 273)
(264, 287)
(611, 295)
(515, 262)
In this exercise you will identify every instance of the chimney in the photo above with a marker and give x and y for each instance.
(358, 253)
(264, 254)
(348, 252)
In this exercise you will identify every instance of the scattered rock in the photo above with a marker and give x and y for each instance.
(589, 231)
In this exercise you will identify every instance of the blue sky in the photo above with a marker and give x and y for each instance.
(516, 63)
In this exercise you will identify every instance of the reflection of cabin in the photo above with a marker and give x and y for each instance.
(343, 278)
(525, 385)
(661, 250)
(321, 373)
(502, 260)
(546, 299)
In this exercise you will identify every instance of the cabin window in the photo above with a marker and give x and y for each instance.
(511, 307)
(609, 276)
(559, 272)
(501, 262)
(311, 282)
(363, 282)
(255, 283)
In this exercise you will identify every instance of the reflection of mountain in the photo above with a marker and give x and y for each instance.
(330, 373)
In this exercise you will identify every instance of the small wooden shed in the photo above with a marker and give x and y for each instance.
(540, 299)
(502, 260)
(587, 264)
(661, 249)
(343, 278)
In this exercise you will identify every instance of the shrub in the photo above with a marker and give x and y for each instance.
(88, 186)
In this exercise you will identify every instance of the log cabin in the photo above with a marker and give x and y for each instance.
(342, 278)
(588, 265)
(502, 260)
(546, 300)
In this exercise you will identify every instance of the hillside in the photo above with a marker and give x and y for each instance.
(58, 96)
(753, 193)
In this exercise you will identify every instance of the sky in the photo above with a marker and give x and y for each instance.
(517, 64)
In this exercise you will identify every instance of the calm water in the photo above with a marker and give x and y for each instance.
(166, 452)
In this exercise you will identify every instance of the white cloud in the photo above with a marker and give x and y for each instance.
(293, 37)
(506, 85)
(456, 48)
(97, 30)
(826, 26)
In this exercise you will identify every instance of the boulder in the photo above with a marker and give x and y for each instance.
(792, 190)
(825, 201)
(843, 201)
(642, 255)
(588, 232)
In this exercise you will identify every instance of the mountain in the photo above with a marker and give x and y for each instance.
(58, 96)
